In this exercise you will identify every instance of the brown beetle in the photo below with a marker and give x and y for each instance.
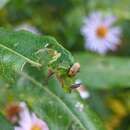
(74, 69)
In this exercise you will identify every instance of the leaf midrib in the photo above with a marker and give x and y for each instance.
(22, 56)
(53, 95)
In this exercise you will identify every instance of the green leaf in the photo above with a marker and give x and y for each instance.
(103, 71)
(54, 106)
(4, 124)
(25, 45)
(48, 101)
(20, 48)
(6, 72)
(86, 119)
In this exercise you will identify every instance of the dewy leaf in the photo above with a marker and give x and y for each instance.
(103, 71)
(49, 101)
(6, 72)
(86, 119)
(56, 107)
(23, 46)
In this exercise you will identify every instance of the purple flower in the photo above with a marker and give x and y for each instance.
(29, 121)
(99, 34)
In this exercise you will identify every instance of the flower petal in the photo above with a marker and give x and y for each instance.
(41, 123)
(25, 118)
(18, 128)
(109, 20)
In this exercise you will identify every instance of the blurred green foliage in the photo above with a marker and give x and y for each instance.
(63, 20)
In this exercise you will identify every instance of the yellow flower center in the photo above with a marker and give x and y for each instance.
(102, 31)
(36, 127)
